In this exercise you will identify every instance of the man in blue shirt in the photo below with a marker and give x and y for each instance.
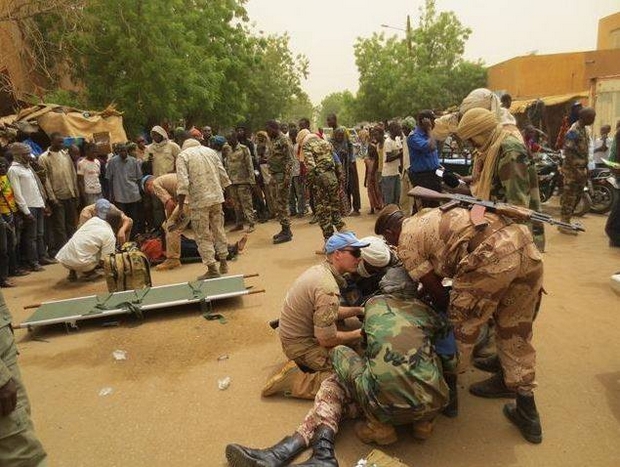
(423, 157)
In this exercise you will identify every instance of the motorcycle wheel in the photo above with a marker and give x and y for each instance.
(603, 197)
(583, 205)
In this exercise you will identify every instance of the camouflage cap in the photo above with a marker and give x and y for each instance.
(388, 213)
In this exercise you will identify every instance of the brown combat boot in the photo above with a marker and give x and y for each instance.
(211, 273)
(423, 430)
(223, 266)
(168, 264)
(373, 431)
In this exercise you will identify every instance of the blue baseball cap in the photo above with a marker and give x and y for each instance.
(341, 240)
(102, 207)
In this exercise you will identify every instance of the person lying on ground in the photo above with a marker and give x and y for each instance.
(398, 381)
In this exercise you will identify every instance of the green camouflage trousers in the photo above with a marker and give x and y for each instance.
(509, 290)
(350, 369)
(281, 191)
(242, 198)
(331, 404)
(19, 445)
(575, 179)
(326, 190)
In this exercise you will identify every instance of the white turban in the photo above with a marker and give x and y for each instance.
(376, 254)
(484, 99)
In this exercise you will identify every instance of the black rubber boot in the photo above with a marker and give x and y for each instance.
(278, 455)
(525, 416)
(285, 236)
(490, 364)
(492, 388)
(452, 409)
(322, 449)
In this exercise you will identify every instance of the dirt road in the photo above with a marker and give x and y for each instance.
(166, 409)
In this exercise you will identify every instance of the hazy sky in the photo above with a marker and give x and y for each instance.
(325, 30)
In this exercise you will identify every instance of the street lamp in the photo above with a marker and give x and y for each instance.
(407, 32)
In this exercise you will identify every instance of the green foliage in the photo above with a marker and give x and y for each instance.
(341, 104)
(400, 77)
(194, 60)
(63, 97)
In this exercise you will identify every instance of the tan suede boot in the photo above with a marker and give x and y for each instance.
(282, 381)
(423, 430)
(373, 431)
(168, 264)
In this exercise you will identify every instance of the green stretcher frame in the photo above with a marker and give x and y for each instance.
(72, 310)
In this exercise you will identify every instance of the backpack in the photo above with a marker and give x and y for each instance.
(127, 270)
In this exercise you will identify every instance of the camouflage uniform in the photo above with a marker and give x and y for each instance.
(496, 272)
(280, 166)
(19, 445)
(238, 162)
(399, 380)
(202, 178)
(574, 169)
(324, 184)
(516, 182)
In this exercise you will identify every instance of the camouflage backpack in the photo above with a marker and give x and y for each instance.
(127, 270)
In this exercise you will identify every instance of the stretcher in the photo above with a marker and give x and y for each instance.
(136, 302)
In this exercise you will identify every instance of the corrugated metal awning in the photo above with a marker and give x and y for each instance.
(519, 106)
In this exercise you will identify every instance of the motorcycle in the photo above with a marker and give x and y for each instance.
(603, 186)
(550, 180)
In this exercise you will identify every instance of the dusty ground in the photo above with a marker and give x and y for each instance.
(166, 409)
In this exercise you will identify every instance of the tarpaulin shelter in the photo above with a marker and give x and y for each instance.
(74, 122)
(546, 113)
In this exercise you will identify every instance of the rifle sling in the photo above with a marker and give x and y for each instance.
(486, 232)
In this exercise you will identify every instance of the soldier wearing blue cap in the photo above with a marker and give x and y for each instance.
(311, 317)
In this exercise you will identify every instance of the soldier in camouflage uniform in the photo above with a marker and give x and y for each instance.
(280, 167)
(19, 445)
(512, 176)
(240, 169)
(575, 167)
(323, 182)
(397, 381)
(496, 272)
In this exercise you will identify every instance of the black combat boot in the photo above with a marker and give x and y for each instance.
(278, 455)
(490, 364)
(279, 233)
(322, 449)
(452, 409)
(492, 388)
(285, 236)
(525, 416)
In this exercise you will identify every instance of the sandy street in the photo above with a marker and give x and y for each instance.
(165, 408)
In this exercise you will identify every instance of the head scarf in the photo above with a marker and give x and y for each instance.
(482, 122)
(219, 140)
(160, 131)
(481, 98)
(398, 282)
(376, 254)
(190, 143)
(195, 133)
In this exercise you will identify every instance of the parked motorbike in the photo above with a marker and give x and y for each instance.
(603, 187)
(550, 181)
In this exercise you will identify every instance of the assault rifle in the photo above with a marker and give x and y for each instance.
(478, 207)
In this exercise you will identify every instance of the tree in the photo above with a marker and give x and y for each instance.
(191, 60)
(396, 80)
(339, 103)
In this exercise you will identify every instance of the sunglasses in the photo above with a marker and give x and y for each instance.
(355, 252)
